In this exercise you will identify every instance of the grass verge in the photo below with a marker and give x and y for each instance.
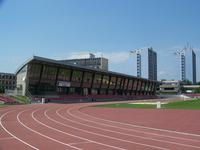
(127, 105)
(21, 99)
(2, 105)
(190, 104)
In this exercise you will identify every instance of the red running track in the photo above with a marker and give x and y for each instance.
(79, 127)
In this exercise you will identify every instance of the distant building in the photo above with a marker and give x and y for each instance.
(170, 87)
(146, 63)
(187, 64)
(7, 81)
(190, 88)
(88, 60)
(152, 64)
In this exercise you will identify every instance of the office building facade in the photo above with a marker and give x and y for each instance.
(188, 65)
(146, 64)
(152, 64)
(7, 81)
(88, 60)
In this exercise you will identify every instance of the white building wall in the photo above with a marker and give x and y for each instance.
(144, 63)
(189, 72)
(188, 63)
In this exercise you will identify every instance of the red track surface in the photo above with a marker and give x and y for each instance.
(77, 127)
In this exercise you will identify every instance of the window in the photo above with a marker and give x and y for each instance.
(122, 83)
(105, 81)
(49, 73)
(87, 77)
(118, 82)
(139, 84)
(34, 71)
(97, 80)
(134, 84)
(64, 74)
(130, 84)
(87, 80)
(77, 76)
(112, 82)
(125, 83)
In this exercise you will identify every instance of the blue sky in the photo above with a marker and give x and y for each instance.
(56, 29)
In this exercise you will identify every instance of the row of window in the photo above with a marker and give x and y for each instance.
(86, 61)
(7, 82)
(7, 76)
(50, 75)
(7, 87)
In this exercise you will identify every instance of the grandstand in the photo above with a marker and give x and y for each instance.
(54, 80)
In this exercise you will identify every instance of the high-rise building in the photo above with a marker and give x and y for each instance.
(152, 64)
(187, 64)
(146, 63)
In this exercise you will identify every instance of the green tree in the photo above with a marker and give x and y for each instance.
(186, 82)
(197, 90)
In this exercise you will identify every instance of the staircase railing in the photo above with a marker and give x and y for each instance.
(29, 95)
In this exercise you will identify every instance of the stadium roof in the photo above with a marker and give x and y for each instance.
(57, 62)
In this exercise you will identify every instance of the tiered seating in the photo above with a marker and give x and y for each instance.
(7, 100)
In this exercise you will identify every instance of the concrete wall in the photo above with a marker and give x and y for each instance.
(21, 82)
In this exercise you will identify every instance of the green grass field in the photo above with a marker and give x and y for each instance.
(191, 104)
(21, 99)
(127, 105)
(2, 105)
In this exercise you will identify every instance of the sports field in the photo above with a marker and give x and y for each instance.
(190, 104)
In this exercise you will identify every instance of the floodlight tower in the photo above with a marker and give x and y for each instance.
(137, 52)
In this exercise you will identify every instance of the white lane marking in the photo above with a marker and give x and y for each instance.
(144, 127)
(75, 135)
(43, 134)
(33, 147)
(146, 145)
(6, 138)
(138, 131)
(153, 139)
